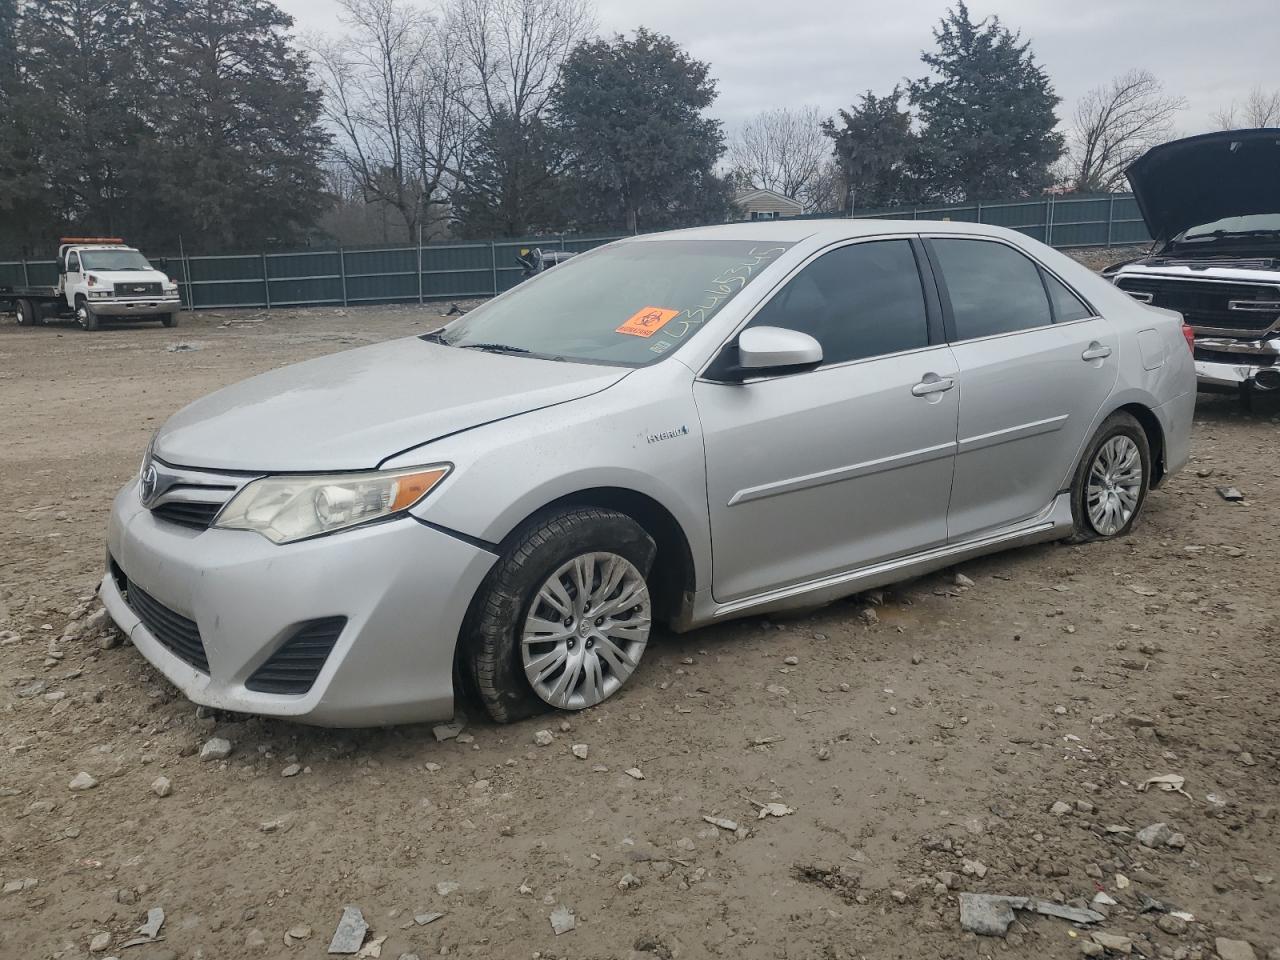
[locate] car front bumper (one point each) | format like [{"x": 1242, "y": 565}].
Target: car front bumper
[
  {"x": 403, "y": 587},
  {"x": 1223, "y": 363},
  {"x": 135, "y": 308}
]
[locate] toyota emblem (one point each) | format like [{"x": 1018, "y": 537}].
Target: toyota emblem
[{"x": 147, "y": 484}]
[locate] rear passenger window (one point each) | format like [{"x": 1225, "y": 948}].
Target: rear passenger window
[
  {"x": 1066, "y": 305},
  {"x": 862, "y": 300},
  {"x": 994, "y": 289}
]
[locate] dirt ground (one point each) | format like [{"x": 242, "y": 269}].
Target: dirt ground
[{"x": 922, "y": 737}]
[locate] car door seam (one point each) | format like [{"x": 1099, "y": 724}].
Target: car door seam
[{"x": 838, "y": 474}]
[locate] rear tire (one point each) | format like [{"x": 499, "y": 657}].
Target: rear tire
[
  {"x": 497, "y": 643},
  {"x": 169, "y": 319},
  {"x": 85, "y": 316},
  {"x": 27, "y": 313},
  {"x": 1111, "y": 481}
]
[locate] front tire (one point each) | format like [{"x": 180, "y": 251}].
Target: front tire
[
  {"x": 1111, "y": 480},
  {"x": 85, "y": 315},
  {"x": 563, "y": 618}
]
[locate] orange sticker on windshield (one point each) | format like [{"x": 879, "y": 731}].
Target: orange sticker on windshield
[{"x": 647, "y": 322}]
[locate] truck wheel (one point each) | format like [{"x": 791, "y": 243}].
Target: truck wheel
[
  {"x": 169, "y": 319},
  {"x": 85, "y": 316},
  {"x": 26, "y": 313}
]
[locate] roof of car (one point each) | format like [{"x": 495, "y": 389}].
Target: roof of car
[{"x": 793, "y": 231}]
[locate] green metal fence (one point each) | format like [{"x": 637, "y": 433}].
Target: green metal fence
[
  {"x": 456, "y": 271},
  {"x": 1107, "y": 220}
]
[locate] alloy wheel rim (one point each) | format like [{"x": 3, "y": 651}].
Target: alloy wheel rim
[
  {"x": 586, "y": 630},
  {"x": 1115, "y": 483}
]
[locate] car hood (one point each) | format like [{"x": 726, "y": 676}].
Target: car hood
[
  {"x": 352, "y": 410},
  {"x": 1201, "y": 179},
  {"x": 112, "y": 277}
]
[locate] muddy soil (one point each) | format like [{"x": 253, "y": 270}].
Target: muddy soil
[{"x": 922, "y": 737}]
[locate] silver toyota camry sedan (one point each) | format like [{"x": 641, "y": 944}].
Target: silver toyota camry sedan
[{"x": 670, "y": 430}]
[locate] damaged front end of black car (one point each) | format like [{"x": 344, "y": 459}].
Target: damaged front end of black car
[{"x": 1212, "y": 205}]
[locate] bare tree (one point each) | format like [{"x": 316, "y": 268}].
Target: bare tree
[
  {"x": 783, "y": 150},
  {"x": 1115, "y": 124},
  {"x": 1261, "y": 108},
  {"x": 514, "y": 50},
  {"x": 394, "y": 91}
]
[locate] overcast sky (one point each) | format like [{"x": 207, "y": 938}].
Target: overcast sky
[{"x": 766, "y": 53}]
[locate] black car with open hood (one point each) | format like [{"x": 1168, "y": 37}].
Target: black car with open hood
[
  {"x": 1212, "y": 206},
  {"x": 1186, "y": 185}
]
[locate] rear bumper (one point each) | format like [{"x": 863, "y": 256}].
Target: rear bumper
[
  {"x": 135, "y": 308},
  {"x": 1223, "y": 363},
  {"x": 403, "y": 587}
]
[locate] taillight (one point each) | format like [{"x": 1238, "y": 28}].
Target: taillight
[{"x": 1190, "y": 336}]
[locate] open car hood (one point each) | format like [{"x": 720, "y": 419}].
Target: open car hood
[{"x": 1198, "y": 180}]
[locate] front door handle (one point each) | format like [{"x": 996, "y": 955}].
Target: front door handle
[
  {"x": 932, "y": 383},
  {"x": 1096, "y": 351}
]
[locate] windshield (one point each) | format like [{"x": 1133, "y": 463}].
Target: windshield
[
  {"x": 1251, "y": 225},
  {"x": 114, "y": 260},
  {"x": 628, "y": 303}
]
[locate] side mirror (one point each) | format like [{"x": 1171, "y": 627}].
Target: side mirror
[{"x": 765, "y": 350}]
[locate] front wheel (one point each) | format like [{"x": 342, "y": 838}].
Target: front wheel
[
  {"x": 564, "y": 617},
  {"x": 85, "y": 315},
  {"x": 1112, "y": 480}
]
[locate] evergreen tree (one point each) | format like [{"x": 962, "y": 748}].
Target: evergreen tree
[
  {"x": 873, "y": 146},
  {"x": 987, "y": 114},
  {"x": 641, "y": 154},
  {"x": 510, "y": 187},
  {"x": 74, "y": 57},
  {"x": 237, "y": 133}
]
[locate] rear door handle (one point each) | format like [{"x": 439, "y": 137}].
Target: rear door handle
[
  {"x": 1096, "y": 351},
  {"x": 932, "y": 383}
]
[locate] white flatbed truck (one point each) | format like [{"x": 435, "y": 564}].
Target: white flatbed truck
[{"x": 99, "y": 279}]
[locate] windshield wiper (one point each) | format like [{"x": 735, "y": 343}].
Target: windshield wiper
[{"x": 494, "y": 348}]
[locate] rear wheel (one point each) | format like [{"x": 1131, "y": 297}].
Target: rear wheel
[
  {"x": 27, "y": 313},
  {"x": 1112, "y": 480},
  {"x": 564, "y": 617},
  {"x": 85, "y": 315}
]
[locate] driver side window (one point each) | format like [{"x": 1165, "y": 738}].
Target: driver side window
[
  {"x": 73, "y": 263},
  {"x": 858, "y": 301}
]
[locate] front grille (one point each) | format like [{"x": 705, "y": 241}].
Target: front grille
[
  {"x": 1205, "y": 304},
  {"x": 139, "y": 289},
  {"x": 294, "y": 667},
  {"x": 175, "y": 633},
  {"x": 188, "y": 513}
]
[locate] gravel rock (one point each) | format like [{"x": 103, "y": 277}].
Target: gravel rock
[
  {"x": 83, "y": 781},
  {"x": 161, "y": 786},
  {"x": 562, "y": 920},
  {"x": 1174, "y": 926},
  {"x": 100, "y": 942},
  {"x": 349, "y": 935},
  {"x": 1112, "y": 942},
  {"x": 292, "y": 770},
  {"x": 255, "y": 939},
  {"x": 1234, "y": 949},
  {"x": 1155, "y": 835},
  {"x": 960, "y": 580},
  {"x": 215, "y": 749},
  {"x": 1060, "y": 808},
  {"x": 544, "y": 738},
  {"x": 580, "y": 751}
]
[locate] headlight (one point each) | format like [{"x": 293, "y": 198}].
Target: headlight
[
  {"x": 170, "y": 288},
  {"x": 99, "y": 294},
  {"x": 289, "y": 508}
]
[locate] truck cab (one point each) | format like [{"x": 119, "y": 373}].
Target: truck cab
[{"x": 100, "y": 278}]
